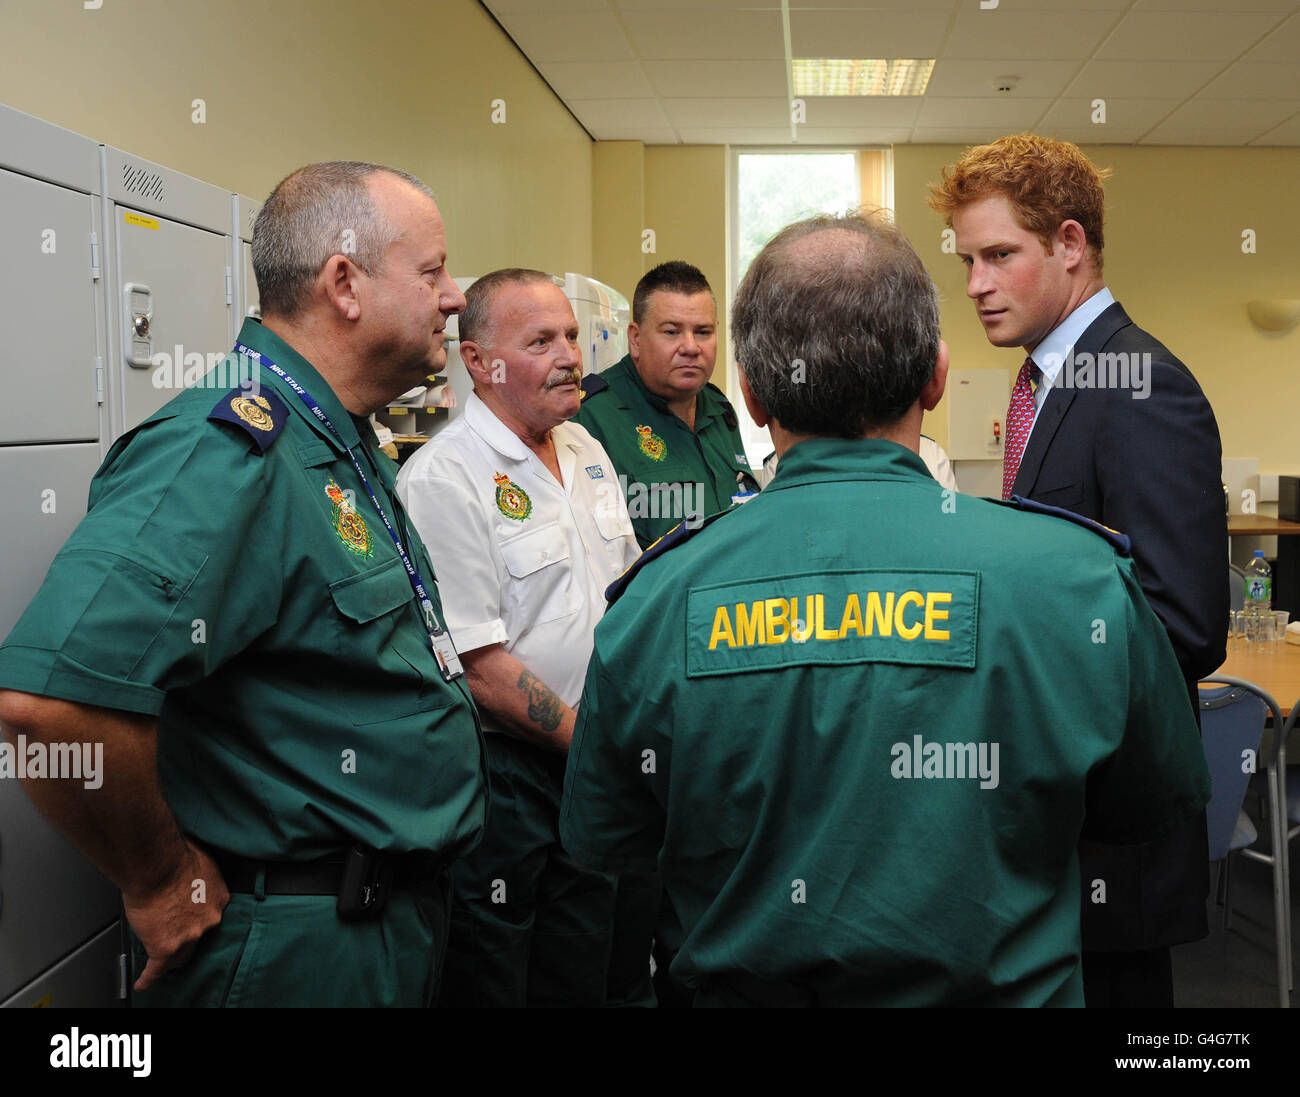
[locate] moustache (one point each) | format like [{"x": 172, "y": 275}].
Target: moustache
[{"x": 568, "y": 377}]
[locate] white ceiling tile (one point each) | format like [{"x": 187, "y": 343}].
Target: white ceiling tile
[
  {"x": 1049, "y": 36},
  {"x": 727, "y": 112},
  {"x": 874, "y": 5},
  {"x": 1215, "y": 5},
  {"x": 508, "y": 7},
  {"x": 1256, "y": 80},
  {"x": 694, "y": 5},
  {"x": 1036, "y": 78},
  {"x": 597, "y": 79},
  {"x": 736, "y": 135},
  {"x": 1282, "y": 44},
  {"x": 867, "y": 33},
  {"x": 1288, "y": 133},
  {"x": 1148, "y": 80},
  {"x": 1185, "y": 35},
  {"x": 590, "y": 36},
  {"x": 601, "y": 114},
  {"x": 706, "y": 35},
  {"x": 1225, "y": 114},
  {"x": 863, "y": 111},
  {"x": 1011, "y": 115},
  {"x": 728, "y": 78},
  {"x": 1125, "y": 114}
]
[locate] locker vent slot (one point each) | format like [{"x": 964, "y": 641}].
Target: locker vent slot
[{"x": 138, "y": 181}]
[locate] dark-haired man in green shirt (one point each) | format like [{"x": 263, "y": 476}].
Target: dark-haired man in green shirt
[{"x": 672, "y": 436}]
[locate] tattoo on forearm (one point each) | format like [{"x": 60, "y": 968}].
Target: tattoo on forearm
[{"x": 543, "y": 706}]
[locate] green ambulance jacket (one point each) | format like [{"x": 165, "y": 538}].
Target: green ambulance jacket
[
  {"x": 225, "y": 581},
  {"x": 667, "y": 470},
  {"x": 860, "y": 723}
]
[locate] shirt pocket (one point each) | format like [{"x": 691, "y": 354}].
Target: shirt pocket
[
  {"x": 386, "y": 668},
  {"x": 542, "y": 587},
  {"x": 612, "y": 522}
]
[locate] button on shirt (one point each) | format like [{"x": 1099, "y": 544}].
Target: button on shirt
[{"x": 525, "y": 560}]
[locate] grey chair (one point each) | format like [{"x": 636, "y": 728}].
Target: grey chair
[{"x": 1232, "y": 727}]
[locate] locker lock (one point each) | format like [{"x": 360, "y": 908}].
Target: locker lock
[{"x": 138, "y": 325}]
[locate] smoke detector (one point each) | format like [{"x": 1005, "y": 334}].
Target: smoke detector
[{"x": 1005, "y": 84}]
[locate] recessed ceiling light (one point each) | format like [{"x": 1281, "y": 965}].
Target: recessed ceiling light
[{"x": 841, "y": 76}]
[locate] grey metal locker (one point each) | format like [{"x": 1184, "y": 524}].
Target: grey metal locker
[
  {"x": 52, "y": 424},
  {"x": 51, "y": 353},
  {"x": 172, "y": 290},
  {"x": 245, "y": 214},
  {"x": 87, "y": 977}
]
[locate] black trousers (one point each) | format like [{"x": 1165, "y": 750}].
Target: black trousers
[{"x": 1128, "y": 980}]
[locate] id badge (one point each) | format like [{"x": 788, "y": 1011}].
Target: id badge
[{"x": 445, "y": 652}]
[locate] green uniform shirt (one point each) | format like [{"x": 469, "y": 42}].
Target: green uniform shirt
[
  {"x": 265, "y": 617},
  {"x": 796, "y": 712},
  {"x": 666, "y": 469}
]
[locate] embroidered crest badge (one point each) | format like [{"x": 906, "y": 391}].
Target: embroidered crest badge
[
  {"x": 348, "y": 524},
  {"x": 651, "y": 444},
  {"x": 512, "y": 500},
  {"x": 255, "y": 411}
]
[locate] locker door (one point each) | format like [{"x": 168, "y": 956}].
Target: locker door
[
  {"x": 252, "y": 305},
  {"x": 47, "y": 313},
  {"x": 173, "y": 319},
  {"x": 51, "y": 898}
]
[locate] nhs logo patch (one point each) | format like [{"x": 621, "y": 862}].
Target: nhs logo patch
[{"x": 595, "y": 472}]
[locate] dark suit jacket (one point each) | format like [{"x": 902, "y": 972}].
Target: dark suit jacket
[{"x": 1149, "y": 468}]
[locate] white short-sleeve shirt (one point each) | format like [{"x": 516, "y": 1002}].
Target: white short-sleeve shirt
[{"x": 522, "y": 560}]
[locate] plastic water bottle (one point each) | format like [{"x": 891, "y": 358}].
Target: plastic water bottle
[{"x": 1259, "y": 595}]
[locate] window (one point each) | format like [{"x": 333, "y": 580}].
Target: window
[{"x": 774, "y": 188}]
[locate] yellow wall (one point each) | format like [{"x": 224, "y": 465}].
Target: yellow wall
[
  {"x": 406, "y": 82},
  {"x": 1174, "y": 260},
  {"x": 679, "y": 192}
]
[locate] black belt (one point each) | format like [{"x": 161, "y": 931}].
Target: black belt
[{"x": 320, "y": 877}]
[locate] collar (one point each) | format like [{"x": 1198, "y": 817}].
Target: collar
[
  {"x": 1050, "y": 355},
  {"x": 818, "y": 459},
  {"x": 706, "y": 407},
  {"x": 262, "y": 339},
  {"x": 479, "y": 419}
]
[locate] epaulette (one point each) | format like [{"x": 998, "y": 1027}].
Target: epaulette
[
  {"x": 728, "y": 412},
  {"x": 1122, "y": 543},
  {"x": 679, "y": 534},
  {"x": 592, "y": 384},
  {"x": 262, "y": 415}
]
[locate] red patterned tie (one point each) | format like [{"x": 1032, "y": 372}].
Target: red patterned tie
[{"x": 1020, "y": 417}]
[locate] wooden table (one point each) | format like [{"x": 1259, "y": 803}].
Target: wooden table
[
  {"x": 1261, "y": 525},
  {"x": 1273, "y": 667}
]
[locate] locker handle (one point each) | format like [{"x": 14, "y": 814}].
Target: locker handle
[{"x": 137, "y": 339}]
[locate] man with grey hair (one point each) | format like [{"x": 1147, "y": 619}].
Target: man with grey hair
[
  {"x": 530, "y": 517},
  {"x": 249, "y": 624},
  {"x": 860, "y": 659}
]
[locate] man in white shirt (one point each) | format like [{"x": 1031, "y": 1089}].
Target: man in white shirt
[{"x": 526, "y": 521}]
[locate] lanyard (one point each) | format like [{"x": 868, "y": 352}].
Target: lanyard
[{"x": 439, "y": 640}]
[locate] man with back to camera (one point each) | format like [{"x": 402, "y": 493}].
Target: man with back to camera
[
  {"x": 866, "y": 675},
  {"x": 1104, "y": 421},
  {"x": 531, "y": 522},
  {"x": 672, "y": 435},
  {"x": 675, "y": 442},
  {"x": 291, "y": 753}
]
